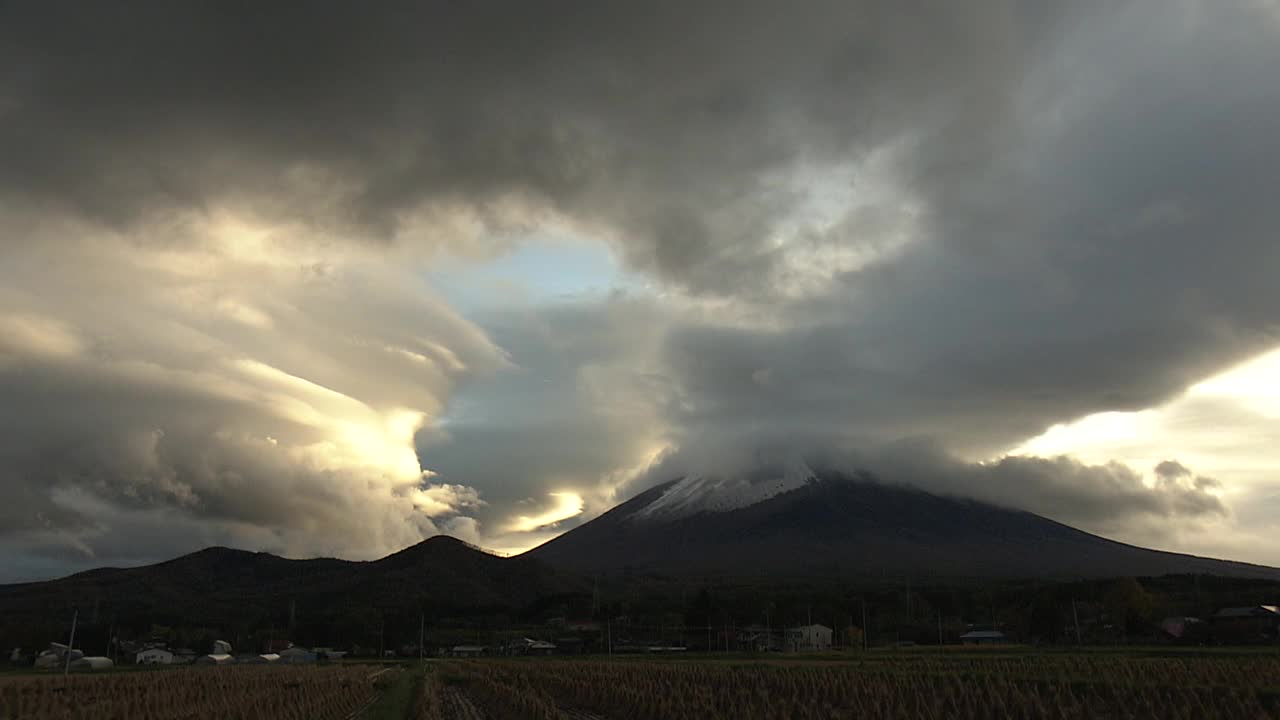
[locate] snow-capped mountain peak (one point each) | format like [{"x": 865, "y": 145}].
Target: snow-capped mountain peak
[{"x": 722, "y": 492}]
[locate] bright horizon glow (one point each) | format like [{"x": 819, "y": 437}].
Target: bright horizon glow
[{"x": 1212, "y": 427}]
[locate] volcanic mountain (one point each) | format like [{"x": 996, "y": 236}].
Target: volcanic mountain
[{"x": 792, "y": 522}]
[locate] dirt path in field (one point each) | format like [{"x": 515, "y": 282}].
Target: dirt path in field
[{"x": 457, "y": 706}]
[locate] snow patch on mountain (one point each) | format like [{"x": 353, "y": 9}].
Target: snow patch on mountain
[{"x": 715, "y": 492}]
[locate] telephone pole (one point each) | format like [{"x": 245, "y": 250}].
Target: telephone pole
[
  {"x": 865, "y": 630},
  {"x": 66, "y": 668}
]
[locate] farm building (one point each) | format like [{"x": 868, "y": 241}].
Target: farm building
[
  {"x": 221, "y": 647},
  {"x": 1183, "y": 629},
  {"x": 297, "y": 655},
  {"x": 984, "y": 637},
  {"x": 529, "y": 646},
  {"x": 215, "y": 659},
  {"x": 56, "y": 657},
  {"x": 154, "y": 656},
  {"x": 1256, "y": 623},
  {"x": 263, "y": 659},
  {"x": 466, "y": 651},
  {"x": 184, "y": 656},
  {"x": 92, "y": 664},
  {"x": 757, "y": 638},
  {"x": 808, "y": 638}
]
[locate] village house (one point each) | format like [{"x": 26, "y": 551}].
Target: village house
[
  {"x": 529, "y": 646},
  {"x": 808, "y": 638},
  {"x": 154, "y": 656},
  {"x": 296, "y": 655},
  {"x": 1252, "y": 624},
  {"x": 757, "y": 638},
  {"x": 984, "y": 637},
  {"x": 1182, "y": 629},
  {"x": 56, "y": 656}
]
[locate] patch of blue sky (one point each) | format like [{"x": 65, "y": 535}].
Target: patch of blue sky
[{"x": 539, "y": 270}]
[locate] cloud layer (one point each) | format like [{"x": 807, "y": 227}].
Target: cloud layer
[{"x": 864, "y": 223}]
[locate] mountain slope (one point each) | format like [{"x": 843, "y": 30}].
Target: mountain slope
[
  {"x": 330, "y": 600},
  {"x": 836, "y": 524}
]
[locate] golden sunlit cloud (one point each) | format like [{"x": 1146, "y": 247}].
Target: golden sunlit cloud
[
  {"x": 1204, "y": 427},
  {"x": 568, "y": 505}
]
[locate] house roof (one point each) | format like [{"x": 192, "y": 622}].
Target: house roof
[
  {"x": 1251, "y": 611},
  {"x": 982, "y": 635}
]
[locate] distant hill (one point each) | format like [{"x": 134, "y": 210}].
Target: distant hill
[
  {"x": 793, "y": 522},
  {"x": 330, "y": 601}
]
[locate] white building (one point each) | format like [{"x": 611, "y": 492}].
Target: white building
[
  {"x": 215, "y": 659},
  {"x": 808, "y": 638},
  {"x": 221, "y": 647},
  {"x": 92, "y": 664},
  {"x": 56, "y": 657},
  {"x": 984, "y": 637},
  {"x": 154, "y": 656}
]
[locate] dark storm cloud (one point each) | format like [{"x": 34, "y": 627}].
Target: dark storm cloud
[
  {"x": 1115, "y": 246},
  {"x": 867, "y": 221},
  {"x": 666, "y": 126}
]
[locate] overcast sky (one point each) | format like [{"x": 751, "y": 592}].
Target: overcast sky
[{"x": 326, "y": 279}]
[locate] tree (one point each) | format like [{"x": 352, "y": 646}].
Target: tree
[{"x": 1128, "y": 605}]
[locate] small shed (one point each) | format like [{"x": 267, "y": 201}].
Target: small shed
[
  {"x": 215, "y": 659},
  {"x": 984, "y": 637},
  {"x": 92, "y": 663},
  {"x": 154, "y": 656}
]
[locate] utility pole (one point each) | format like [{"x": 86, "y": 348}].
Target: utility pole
[
  {"x": 768, "y": 630},
  {"x": 608, "y": 626},
  {"x": 939, "y": 628},
  {"x": 866, "y": 632},
  {"x": 66, "y": 668},
  {"x": 1076, "y": 616},
  {"x": 910, "y": 604},
  {"x": 422, "y": 634}
]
